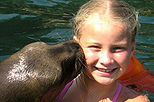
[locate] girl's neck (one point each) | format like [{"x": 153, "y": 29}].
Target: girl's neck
[{"x": 91, "y": 88}]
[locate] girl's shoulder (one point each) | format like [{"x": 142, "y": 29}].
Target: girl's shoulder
[{"x": 130, "y": 95}]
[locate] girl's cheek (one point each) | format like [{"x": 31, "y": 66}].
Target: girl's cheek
[
  {"x": 91, "y": 56},
  {"x": 89, "y": 53},
  {"x": 122, "y": 58}
]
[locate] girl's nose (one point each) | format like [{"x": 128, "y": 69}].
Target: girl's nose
[{"x": 105, "y": 58}]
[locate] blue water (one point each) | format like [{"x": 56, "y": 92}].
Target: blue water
[{"x": 26, "y": 21}]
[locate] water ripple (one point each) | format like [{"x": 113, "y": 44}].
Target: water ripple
[
  {"x": 145, "y": 19},
  {"x": 10, "y": 16},
  {"x": 42, "y": 3}
]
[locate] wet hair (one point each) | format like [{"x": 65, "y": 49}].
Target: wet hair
[{"x": 118, "y": 11}]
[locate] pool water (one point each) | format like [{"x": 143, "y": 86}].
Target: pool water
[{"x": 26, "y": 21}]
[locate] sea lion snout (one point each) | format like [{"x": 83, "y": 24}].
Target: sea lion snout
[{"x": 39, "y": 71}]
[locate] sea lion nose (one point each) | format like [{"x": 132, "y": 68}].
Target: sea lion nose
[{"x": 75, "y": 45}]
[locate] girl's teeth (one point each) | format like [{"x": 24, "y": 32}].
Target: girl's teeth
[{"x": 107, "y": 71}]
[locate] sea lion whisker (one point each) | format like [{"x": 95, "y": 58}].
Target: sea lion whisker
[{"x": 83, "y": 63}]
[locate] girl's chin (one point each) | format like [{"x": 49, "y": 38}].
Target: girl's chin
[{"x": 104, "y": 81}]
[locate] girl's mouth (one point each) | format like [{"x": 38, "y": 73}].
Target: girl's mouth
[{"x": 105, "y": 70}]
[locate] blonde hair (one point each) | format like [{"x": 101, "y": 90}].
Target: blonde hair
[{"x": 119, "y": 10}]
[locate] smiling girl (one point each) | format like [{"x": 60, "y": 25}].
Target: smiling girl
[{"x": 106, "y": 31}]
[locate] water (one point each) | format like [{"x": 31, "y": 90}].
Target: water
[{"x": 26, "y": 21}]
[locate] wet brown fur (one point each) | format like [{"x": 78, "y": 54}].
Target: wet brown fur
[{"x": 51, "y": 67}]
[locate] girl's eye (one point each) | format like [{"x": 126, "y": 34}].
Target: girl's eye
[
  {"x": 94, "y": 47},
  {"x": 118, "y": 49}
]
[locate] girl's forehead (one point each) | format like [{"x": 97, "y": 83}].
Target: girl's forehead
[
  {"x": 99, "y": 22},
  {"x": 96, "y": 18},
  {"x": 97, "y": 25},
  {"x": 104, "y": 24},
  {"x": 99, "y": 18}
]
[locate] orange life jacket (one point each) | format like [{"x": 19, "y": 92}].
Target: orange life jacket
[{"x": 137, "y": 75}]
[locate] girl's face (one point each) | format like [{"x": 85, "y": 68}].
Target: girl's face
[{"x": 107, "y": 49}]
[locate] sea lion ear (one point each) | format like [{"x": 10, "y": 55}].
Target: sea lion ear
[{"x": 75, "y": 38}]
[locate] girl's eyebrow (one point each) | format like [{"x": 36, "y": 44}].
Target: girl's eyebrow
[
  {"x": 94, "y": 43},
  {"x": 120, "y": 44},
  {"x": 117, "y": 43}
]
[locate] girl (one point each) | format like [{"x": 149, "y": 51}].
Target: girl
[{"x": 106, "y": 31}]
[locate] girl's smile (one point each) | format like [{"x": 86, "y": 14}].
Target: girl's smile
[{"x": 104, "y": 71}]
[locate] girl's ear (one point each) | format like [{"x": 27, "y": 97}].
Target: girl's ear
[
  {"x": 133, "y": 47},
  {"x": 76, "y": 38}
]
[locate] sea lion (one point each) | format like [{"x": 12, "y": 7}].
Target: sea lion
[{"x": 39, "y": 71}]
